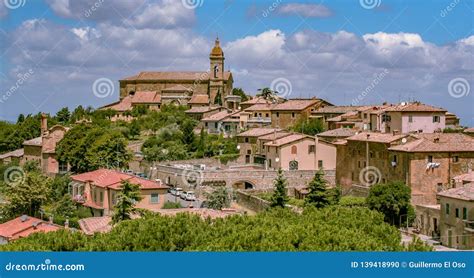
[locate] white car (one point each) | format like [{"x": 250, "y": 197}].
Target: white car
[
  {"x": 177, "y": 191},
  {"x": 190, "y": 196},
  {"x": 182, "y": 195}
]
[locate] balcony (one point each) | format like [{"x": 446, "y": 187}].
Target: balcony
[
  {"x": 469, "y": 226},
  {"x": 260, "y": 120}
]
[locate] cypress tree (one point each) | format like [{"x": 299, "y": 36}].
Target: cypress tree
[
  {"x": 279, "y": 197},
  {"x": 318, "y": 195}
]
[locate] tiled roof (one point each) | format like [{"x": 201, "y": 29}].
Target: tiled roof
[
  {"x": 376, "y": 137},
  {"x": 260, "y": 107},
  {"x": 414, "y": 107},
  {"x": 216, "y": 117},
  {"x": 295, "y": 104},
  {"x": 338, "y": 132},
  {"x": 94, "y": 225},
  {"x": 438, "y": 142},
  {"x": 469, "y": 130},
  {"x": 201, "y": 109},
  {"x": 169, "y": 75},
  {"x": 124, "y": 105},
  {"x": 24, "y": 225},
  {"x": 199, "y": 99},
  {"x": 465, "y": 192},
  {"x": 146, "y": 97},
  {"x": 274, "y": 135},
  {"x": 38, "y": 141},
  {"x": 256, "y": 132},
  {"x": 468, "y": 177},
  {"x": 287, "y": 139},
  {"x": 256, "y": 100},
  {"x": 338, "y": 109},
  {"x": 350, "y": 114},
  {"x": 106, "y": 178},
  {"x": 178, "y": 88},
  {"x": 15, "y": 153}
]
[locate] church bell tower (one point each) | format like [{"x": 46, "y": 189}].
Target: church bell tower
[{"x": 216, "y": 78}]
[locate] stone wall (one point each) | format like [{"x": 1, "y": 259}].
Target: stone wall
[{"x": 249, "y": 201}]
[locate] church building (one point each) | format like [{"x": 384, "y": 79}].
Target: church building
[{"x": 189, "y": 88}]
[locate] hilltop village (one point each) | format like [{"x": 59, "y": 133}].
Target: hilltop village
[{"x": 192, "y": 142}]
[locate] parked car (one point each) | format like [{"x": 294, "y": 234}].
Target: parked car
[
  {"x": 141, "y": 175},
  {"x": 182, "y": 195},
  {"x": 172, "y": 191},
  {"x": 130, "y": 172},
  {"x": 190, "y": 196},
  {"x": 176, "y": 191}
]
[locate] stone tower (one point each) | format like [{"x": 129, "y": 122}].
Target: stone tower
[{"x": 216, "y": 80}]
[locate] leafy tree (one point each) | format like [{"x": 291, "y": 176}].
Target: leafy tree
[
  {"x": 268, "y": 94},
  {"x": 392, "y": 199},
  {"x": 219, "y": 198},
  {"x": 241, "y": 93},
  {"x": 172, "y": 205},
  {"x": 63, "y": 115},
  {"x": 187, "y": 128},
  {"x": 318, "y": 195},
  {"x": 21, "y": 118},
  {"x": 126, "y": 200},
  {"x": 134, "y": 129},
  {"x": 279, "y": 197},
  {"x": 308, "y": 126}
]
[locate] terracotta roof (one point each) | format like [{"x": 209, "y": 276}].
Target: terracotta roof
[
  {"x": 414, "y": 107},
  {"x": 256, "y": 132},
  {"x": 287, "y": 140},
  {"x": 146, "y": 97},
  {"x": 106, "y": 178},
  {"x": 94, "y": 225},
  {"x": 38, "y": 141},
  {"x": 169, "y": 75},
  {"x": 338, "y": 132},
  {"x": 260, "y": 107},
  {"x": 465, "y": 192},
  {"x": 256, "y": 100},
  {"x": 469, "y": 130},
  {"x": 15, "y": 153},
  {"x": 219, "y": 116},
  {"x": 199, "y": 99},
  {"x": 376, "y": 137},
  {"x": 24, "y": 226},
  {"x": 468, "y": 177},
  {"x": 201, "y": 109},
  {"x": 438, "y": 142},
  {"x": 124, "y": 105},
  {"x": 347, "y": 115},
  {"x": 295, "y": 104},
  {"x": 274, "y": 135}
]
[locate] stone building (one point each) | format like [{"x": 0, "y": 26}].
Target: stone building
[
  {"x": 286, "y": 114},
  {"x": 193, "y": 88},
  {"x": 12, "y": 157}
]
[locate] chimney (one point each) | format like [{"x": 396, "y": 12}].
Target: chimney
[{"x": 44, "y": 123}]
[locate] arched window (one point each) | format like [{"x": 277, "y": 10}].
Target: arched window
[{"x": 294, "y": 150}]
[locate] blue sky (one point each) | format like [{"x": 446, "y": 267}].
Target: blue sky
[{"x": 336, "y": 50}]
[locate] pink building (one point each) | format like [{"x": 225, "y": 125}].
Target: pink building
[{"x": 99, "y": 190}]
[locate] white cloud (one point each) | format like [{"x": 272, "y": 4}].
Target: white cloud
[{"x": 305, "y": 10}]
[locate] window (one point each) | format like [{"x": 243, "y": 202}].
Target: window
[
  {"x": 278, "y": 114},
  {"x": 270, "y": 163},
  {"x": 246, "y": 139},
  {"x": 365, "y": 116},
  {"x": 455, "y": 159},
  {"x": 255, "y": 115},
  {"x": 266, "y": 115},
  {"x": 206, "y": 124},
  {"x": 386, "y": 118},
  {"x": 395, "y": 159},
  {"x": 216, "y": 126},
  {"x": 436, "y": 119},
  {"x": 447, "y": 208},
  {"x": 311, "y": 149},
  {"x": 410, "y": 119},
  {"x": 293, "y": 114},
  {"x": 320, "y": 164},
  {"x": 114, "y": 198},
  {"x": 294, "y": 150},
  {"x": 101, "y": 197},
  {"x": 430, "y": 158},
  {"x": 456, "y": 211},
  {"x": 464, "y": 213},
  {"x": 154, "y": 198}
]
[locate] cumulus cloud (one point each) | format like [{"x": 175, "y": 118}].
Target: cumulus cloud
[{"x": 305, "y": 10}]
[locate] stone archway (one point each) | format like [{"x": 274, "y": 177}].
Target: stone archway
[{"x": 244, "y": 184}]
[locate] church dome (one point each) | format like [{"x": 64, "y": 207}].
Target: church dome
[{"x": 217, "y": 50}]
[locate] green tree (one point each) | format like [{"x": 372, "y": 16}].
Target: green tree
[
  {"x": 268, "y": 94},
  {"x": 126, "y": 200},
  {"x": 392, "y": 199},
  {"x": 219, "y": 198},
  {"x": 134, "y": 129},
  {"x": 21, "y": 118},
  {"x": 308, "y": 126},
  {"x": 318, "y": 195},
  {"x": 187, "y": 129},
  {"x": 218, "y": 99},
  {"x": 279, "y": 197},
  {"x": 63, "y": 115},
  {"x": 241, "y": 93}
]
